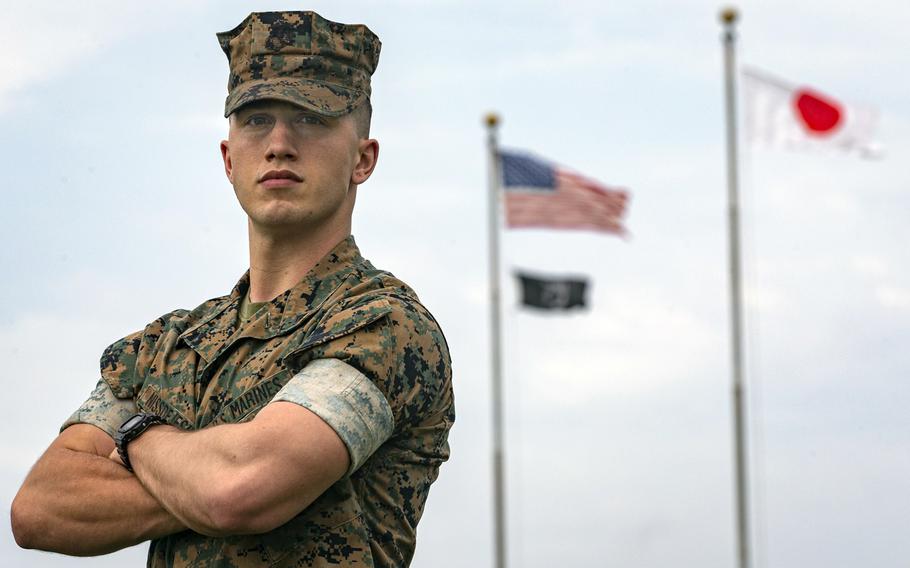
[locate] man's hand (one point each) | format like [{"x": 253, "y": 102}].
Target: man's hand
[
  {"x": 115, "y": 457},
  {"x": 76, "y": 501}
]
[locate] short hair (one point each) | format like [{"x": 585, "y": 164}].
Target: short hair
[{"x": 362, "y": 116}]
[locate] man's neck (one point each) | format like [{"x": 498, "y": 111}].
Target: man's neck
[{"x": 279, "y": 262}]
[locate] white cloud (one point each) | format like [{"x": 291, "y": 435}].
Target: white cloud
[
  {"x": 53, "y": 359},
  {"x": 45, "y": 39},
  {"x": 765, "y": 298},
  {"x": 893, "y": 297},
  {"x": 875, "y": 266},
  {"x": 637, "y": 343}
]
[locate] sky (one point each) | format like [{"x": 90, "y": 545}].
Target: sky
[{"x": 618, "y": 419}]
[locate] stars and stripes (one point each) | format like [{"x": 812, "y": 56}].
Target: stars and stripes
[{"x": 541, "y": 194}]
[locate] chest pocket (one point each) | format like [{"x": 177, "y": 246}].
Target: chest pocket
[
  {"x": 245, "y": 405},
  {"x": 161, "y": 402}
]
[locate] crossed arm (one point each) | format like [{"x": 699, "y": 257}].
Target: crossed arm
[{"x": 230, "y": 479}]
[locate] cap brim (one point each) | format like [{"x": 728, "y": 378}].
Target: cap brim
[{"x": 325, "y": 99}]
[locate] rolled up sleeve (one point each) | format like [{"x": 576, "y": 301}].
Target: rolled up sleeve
[
  {"x": 103, "y": 409},
  {"x": 345, "y": 399}
]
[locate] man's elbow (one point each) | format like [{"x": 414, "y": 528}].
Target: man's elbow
[
  {"x": 236, "y": 507},
  {"x": 24, "y": 523},
  {"x": 224, "y": 514},
  {"x": 34, "y": 528}
]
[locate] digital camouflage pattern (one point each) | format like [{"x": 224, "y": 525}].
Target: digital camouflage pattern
[
  {"x": 300, "y": 58},
  {"x": 104, "y": 410},
  {"x": 198, "y": 369},
  {"x": 348, "y": 401}
]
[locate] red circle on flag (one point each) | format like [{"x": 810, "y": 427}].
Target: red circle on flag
[{"x": 818, "y": 114}]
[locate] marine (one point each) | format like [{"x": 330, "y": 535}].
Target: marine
[{"x": 301, "y": 418}]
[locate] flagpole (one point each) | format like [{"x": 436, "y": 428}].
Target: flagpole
[
  {"x": 729, "y": 17},
  {"x": 499, "y": 498}
]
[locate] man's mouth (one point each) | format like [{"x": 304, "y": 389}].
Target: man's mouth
[{"x": 274, "y": 178}]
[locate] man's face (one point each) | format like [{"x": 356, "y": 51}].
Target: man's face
[{"x": 293, "y": 170}]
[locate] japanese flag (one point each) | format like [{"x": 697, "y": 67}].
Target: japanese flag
[{"x": 779, "y": 114}]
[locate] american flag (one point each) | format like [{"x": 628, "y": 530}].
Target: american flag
[{"x": 541, "y": 194}]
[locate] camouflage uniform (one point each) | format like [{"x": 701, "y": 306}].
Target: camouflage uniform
[
  {"x": 199, "y": 369},
  {"x": 349, "y": 342}
]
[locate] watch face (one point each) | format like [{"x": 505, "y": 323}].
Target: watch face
[{"x": 131, "y": 423}]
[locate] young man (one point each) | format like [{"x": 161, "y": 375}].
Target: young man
[{"x": 299, "y": 420}]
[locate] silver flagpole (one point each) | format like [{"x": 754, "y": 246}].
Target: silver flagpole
[
  {"x": 729, "y": 17},
  {"x": 499, "y": 490}
]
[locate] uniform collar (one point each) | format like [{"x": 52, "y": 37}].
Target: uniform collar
[
  {"x": 218, "y": 329},
  {"x": 287, "y": 310}
]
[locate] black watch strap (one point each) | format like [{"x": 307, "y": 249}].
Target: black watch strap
[{"x": 132, "y": 428}]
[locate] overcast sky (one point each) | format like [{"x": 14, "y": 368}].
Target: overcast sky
[{"x": 116, "y": 210}]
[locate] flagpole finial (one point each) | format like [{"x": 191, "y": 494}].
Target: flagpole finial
[
  {"x": 729, "y": 15},
  {"x": 491, "y": 119}
]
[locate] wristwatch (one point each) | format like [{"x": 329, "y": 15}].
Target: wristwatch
[{"x": 131, "y": 429}]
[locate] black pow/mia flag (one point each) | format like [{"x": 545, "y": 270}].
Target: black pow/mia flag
[{"x": 552, "y": 293}]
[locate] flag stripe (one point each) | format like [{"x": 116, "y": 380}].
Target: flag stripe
[
  {"x": 539, "y": 194},
  {"x": 576, "y": 203}
]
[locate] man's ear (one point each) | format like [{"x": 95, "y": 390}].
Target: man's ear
[
  {"x": 368, "y": 155},
  {"x": 226, "y": 157}
]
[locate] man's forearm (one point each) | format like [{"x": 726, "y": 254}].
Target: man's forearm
[
  {"x": 188, "y": 471},
  {"x": 82, "y": 504},
  {"x": 243, "y": 478}
]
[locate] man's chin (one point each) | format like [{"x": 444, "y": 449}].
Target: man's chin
[{"x": 283, "y": 222}]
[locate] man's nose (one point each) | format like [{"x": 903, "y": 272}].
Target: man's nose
[{"x": 281, "y": 142}]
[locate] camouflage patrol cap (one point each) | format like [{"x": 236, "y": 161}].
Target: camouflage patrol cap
[{"x": 300, "y": 58}]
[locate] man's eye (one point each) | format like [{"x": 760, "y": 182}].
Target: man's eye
[
  {"x": 257, "y": 120},
  {"x": 310, "y": 119}
]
